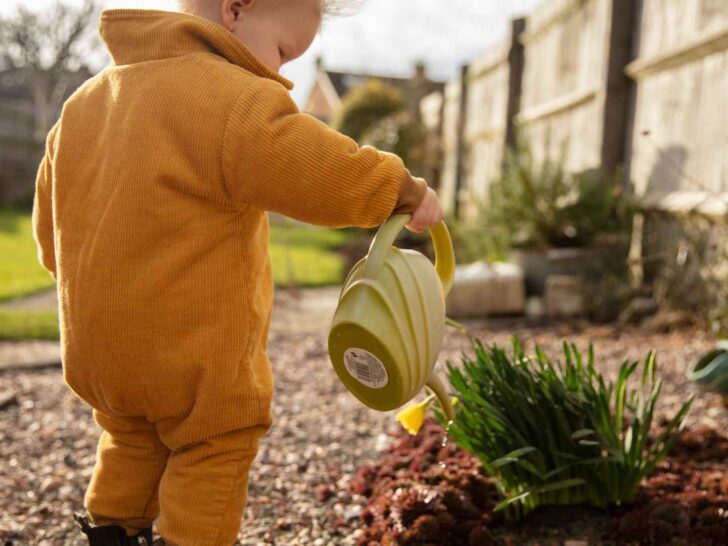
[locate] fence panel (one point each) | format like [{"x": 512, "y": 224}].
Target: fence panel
[
  {"x": 605, "y": 82},
  {"x": 679, "y": 153},
  {"x": 564, "y": 93},
  {"x": 485, "y": 126},
  {"x": 450, "y": 144}
]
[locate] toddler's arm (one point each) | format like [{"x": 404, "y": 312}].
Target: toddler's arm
[
  {"x": 280, "y": 160},
  {"x": 43, "y": 208}
]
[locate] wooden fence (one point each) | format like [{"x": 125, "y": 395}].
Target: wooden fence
[
  {"x": 478, "y": 116},
  {"x": 452, "y": 149},
  {"x": 599, "y": 83},
  {"x": 679, "y": 147},
  {"x": 564, "y": 82}
]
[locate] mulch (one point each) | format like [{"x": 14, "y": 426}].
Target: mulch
[{"x": 423, "y": 493}]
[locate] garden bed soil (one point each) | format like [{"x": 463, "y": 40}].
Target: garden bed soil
[{"x": 423, "y": 493}]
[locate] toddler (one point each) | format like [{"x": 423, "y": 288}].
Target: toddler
[{"x": 151, "y": 212}]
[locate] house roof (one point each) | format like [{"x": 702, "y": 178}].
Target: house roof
[
  {"x": 330, "y": 87},
  {"x": 344, "y": 82}
]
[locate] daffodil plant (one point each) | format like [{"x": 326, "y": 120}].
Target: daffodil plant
[{"x": 554, "y": 432}]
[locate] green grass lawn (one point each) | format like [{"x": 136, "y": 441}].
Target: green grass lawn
[
  {"x": 300, "y": 256},
  {"x": 20, "y": 324},
  {"x": 20, "y": 272},
  {"x": 305, "y": 256}
]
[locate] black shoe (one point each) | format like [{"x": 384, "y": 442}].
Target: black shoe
[{"x": 112, "y": 535}]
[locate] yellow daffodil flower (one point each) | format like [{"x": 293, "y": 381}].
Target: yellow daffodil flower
[{"x": 412, "y": 417}]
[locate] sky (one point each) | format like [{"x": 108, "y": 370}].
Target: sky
[{"x": 385, "y": 37}]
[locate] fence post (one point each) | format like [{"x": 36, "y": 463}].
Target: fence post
[
  {"x": 440, "y": 138},
  {"x": 618, "y": 85},
  {"x": 461, "y": 148},
  {"x": 618, "y": 153},
  {"x": 516, "y": 62}
]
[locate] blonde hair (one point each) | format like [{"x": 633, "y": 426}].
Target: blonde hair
[
  {"x": 328, "y": 7},
  {"x": 339, "y": 7}
]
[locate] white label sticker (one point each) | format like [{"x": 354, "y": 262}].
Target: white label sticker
[{"x": 366, "y": 368}]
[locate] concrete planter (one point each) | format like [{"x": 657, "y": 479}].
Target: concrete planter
[
  {"x": 539, "y": 265},
  {"x": 482, "y": 290},
  {"x": 564, "y": 296}
]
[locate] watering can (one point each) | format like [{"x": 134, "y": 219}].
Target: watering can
[{"x": 389, "y": 324}]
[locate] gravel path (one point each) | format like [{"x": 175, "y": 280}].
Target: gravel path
[
  {"x": 29, "y": 354},
  {"x": 321, "y": 435},
  {"x": 46, "y": 300}
]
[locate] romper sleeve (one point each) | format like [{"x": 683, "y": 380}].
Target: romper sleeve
[{"x": 281, "y": 160}]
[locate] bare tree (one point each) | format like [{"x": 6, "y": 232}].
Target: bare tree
[{"x": 48, "y": 52}]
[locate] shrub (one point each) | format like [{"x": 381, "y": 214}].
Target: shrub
[
  {"x": 364, "y": 106},
  {"x": 558, "y": 433},
  {"x": 686, "y": 264},
  {"x": 474, "y": 240},
  {"x": 400, "y": 134},
  {"x": 540, "y": 205}
]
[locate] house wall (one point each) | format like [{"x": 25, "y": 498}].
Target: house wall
[
  {"x": 317, "y": 104},
  {"x": 20, "y": 152}
]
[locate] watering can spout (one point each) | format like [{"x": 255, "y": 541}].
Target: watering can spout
[{"x": 435, "y": 384}]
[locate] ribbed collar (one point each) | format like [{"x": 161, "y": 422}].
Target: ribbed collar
[{"x": 138, "y": 35}]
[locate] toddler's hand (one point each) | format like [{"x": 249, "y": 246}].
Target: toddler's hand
[{"x": 428, "y": 213}]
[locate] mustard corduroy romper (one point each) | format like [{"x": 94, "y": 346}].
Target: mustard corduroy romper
[{"x": 151, "y": 212}]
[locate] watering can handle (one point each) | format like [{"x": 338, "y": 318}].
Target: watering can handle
[{"x": 441, "y": 241}]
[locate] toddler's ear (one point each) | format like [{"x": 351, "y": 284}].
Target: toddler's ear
[{"x": 233, "y": 10}]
